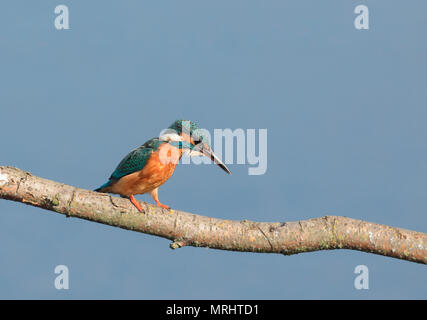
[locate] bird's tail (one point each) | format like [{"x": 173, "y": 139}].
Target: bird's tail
[{"x": 103, "y": 187}]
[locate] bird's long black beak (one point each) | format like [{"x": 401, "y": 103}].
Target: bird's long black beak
[{"x": 207, "y": 151}]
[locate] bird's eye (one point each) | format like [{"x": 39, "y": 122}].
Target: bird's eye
[{"x": 196, "y": 142}]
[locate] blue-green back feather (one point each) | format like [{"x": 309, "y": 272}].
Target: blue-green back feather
[{"x": 136, "y": 159}]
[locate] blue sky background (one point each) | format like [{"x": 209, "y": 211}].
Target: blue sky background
[{"x": 345, "y": 112}]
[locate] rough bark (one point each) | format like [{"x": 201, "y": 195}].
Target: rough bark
[{"x": 186, "y": 229}]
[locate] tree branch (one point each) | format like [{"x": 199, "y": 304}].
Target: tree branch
[{"x": 186, "y": 229}]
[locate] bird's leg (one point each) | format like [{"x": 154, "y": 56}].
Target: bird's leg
[
  {"x": 155, "y": 196},
  {"x": 135, "y": 203}
]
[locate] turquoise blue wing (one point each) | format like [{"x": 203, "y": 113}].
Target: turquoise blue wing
[
  {"x": 136, "y": 159},
  {"x": 133, "y": 162}
]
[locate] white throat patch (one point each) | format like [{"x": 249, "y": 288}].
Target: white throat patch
[{"x": 171, "y": 136}]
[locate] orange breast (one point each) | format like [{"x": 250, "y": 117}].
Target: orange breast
[{"x": 158, "y": 169}]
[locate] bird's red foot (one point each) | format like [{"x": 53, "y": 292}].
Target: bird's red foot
[
  {"x": 162, "y": 205},
  {"x": 136, "y": 203}
]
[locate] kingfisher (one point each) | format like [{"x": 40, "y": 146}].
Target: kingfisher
[{"x": 149, "y": 166}]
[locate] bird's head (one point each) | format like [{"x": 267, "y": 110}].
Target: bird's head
[{"x": 193, "y": 140}]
